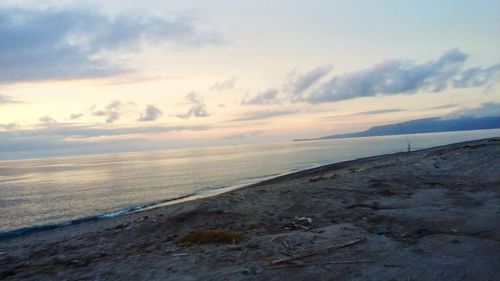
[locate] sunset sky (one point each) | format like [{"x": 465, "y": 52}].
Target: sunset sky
[{"x": 104, "y": 76}]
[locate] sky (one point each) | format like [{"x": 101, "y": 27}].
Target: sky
[{"x": 82, "y": 77}]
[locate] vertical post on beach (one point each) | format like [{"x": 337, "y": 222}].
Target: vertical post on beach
[{"x": 408, "y": 144}]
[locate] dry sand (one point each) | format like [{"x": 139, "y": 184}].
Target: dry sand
[{"x": 428, "y": 215}]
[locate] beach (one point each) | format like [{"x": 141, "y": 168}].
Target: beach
[{"x": 424, "y": 215}]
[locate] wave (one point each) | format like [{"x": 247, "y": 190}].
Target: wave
[
  {"x": 202, "y": 193},
  {"x": 107, "y": 215}
]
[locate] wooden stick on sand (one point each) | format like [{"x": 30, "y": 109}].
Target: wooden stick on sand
[{"x": 317, "y": 252}]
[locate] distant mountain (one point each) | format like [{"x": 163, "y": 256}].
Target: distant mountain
[{"x": 427, "y": 125}]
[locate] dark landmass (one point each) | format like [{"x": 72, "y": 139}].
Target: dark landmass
[
  {"x": 421, "y": 126},
  {"x": 426, "y": 215}
]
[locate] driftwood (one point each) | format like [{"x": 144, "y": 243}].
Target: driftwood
[
  {"x": 348, "y": 189},
  {"x": 181, "y": 254},
  {"x": 318, "y": 263},
  {"x": 285, "y": 244},
  {"x": 317, "y": 252}
]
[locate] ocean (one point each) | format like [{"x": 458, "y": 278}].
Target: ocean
[{"x": 45, "y": 193}]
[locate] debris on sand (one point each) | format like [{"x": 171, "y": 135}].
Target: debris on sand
[
  {"x": 387, "y": 192},
  {"x": 210, "y": 236},
  {"x": 299, "y": 223},
  {"x": 315, "y": 179},
  {"x": 319, "y": 264},
  {"x": 317, "y": 252},
  {"x": 357, "y": 170}
]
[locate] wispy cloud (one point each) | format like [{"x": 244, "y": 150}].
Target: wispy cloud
[
  {"x": 259, "y": 115},
  {"x": 267, "y": 97},
  {"x": 9, "y": 126},
  {"x": 242, "y": 135},
  {"x": 151, "y": 113},
  {"x": 298, "y": 83},
  {"x": 381, "y": 111},
  {"x": 197, "y": 106},
  {"x": 64, "y": 131},
  {"x": 73, "y": 137},
  {"x": 47, "y": 121},
  {"x": 443, "y": 106},
  {"x": 75, "y": 116},
  {"x": 47, "y": 44},
  {"x": 136, "y": 78},
  {"x": 370, "y": 112},
  {"x": 224, "y": 85},
  {"x": 8, "y": 100},
  {"x": 477, "y": 76},
  {"x": 484, "y": 110},
  {"x": 112, "y": 111}
]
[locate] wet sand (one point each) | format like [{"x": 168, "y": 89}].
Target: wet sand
[{"x": 427, "y": 215}]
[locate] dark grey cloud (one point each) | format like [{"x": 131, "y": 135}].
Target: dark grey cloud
[
  {"x": 392, "y": 77},
  {"x": 477, "y": 76},
  {"x": 381, "y": 111},
  {"x": 267, "y": 97},
  {"x": 112, "y": 111},
  {"x": 259, "y": 115},
  {"x": 197, "y": 106},
  {"x": 75, "y": 116},
  {"x": 151, "y": 113},
  {"x": 224, "y": 85},
  {"x": 299, "y": 83},
  {"x": 38, "y": 44},
  {"x": 486, "y": 109}
]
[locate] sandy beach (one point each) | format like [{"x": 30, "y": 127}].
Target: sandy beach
[{"x": 432, "y": 214}]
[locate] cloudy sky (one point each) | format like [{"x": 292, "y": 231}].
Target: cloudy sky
[{"x": 104, "y": 76}]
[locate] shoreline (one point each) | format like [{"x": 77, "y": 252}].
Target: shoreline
[
  {"x": 137, "y": 208},
  {"x": 185, "y": 198},
  {"x": 414, "y": 207}
]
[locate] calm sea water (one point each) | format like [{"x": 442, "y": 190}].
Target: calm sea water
[{"x": 56, "y": 190}]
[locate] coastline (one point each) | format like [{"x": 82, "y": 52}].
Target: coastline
[
  {"x": 139, "y": 208},
  {"x": 171, "y": 201},
  {"x": 263, "y": 211}
]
